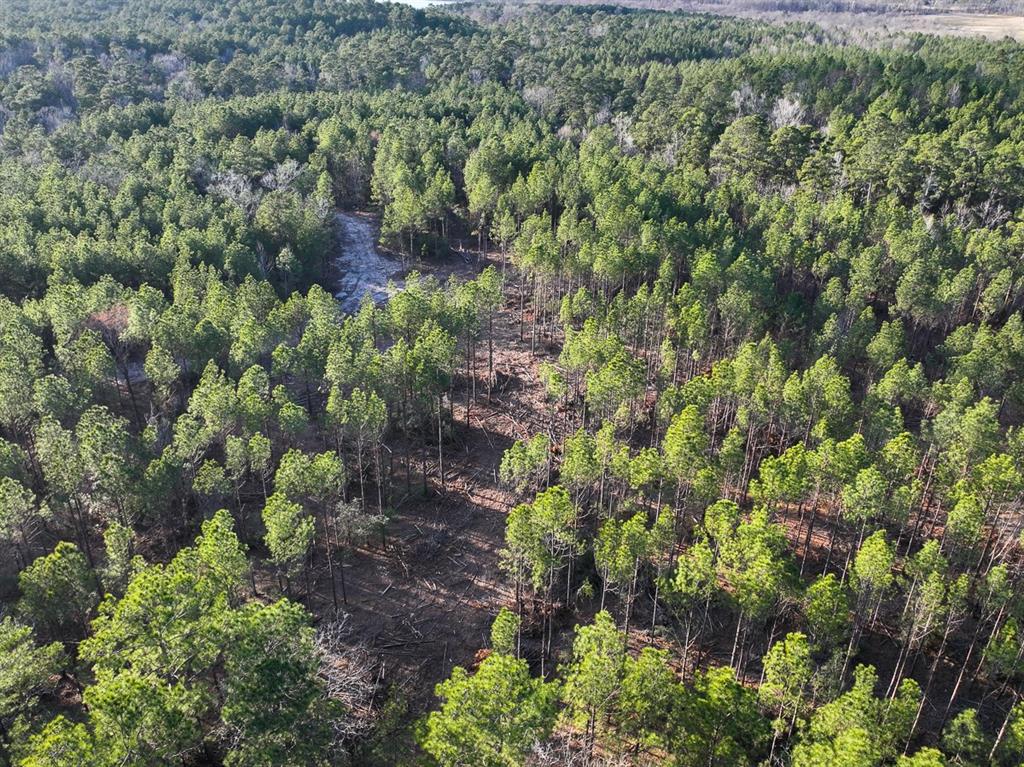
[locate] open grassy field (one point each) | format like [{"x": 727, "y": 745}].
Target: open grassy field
[
  {"x": 992, "y": 26},
  {"x": 991, "y": 20}
]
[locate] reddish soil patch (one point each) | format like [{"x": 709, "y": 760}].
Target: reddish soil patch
[{"x": 423, "y": 603}]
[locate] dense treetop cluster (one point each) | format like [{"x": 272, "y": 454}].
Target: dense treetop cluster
[{"x": 773, "y": 283}]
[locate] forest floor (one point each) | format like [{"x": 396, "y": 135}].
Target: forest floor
[{"x": 423, "y": 602}]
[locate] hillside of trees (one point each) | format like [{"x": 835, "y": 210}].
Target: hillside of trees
[{"x": 689, "y": 432}]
